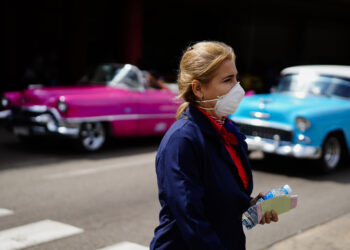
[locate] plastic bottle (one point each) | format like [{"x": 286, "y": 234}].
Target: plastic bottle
[
  {"x": 285, "y": 190},
  {"x": 278, "y": 191},
  {"x": 250, "y": 217}
]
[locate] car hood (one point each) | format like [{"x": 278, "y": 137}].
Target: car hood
[
  {"x": 283, "y": 108},
  {"x": 47, "y": 95}
]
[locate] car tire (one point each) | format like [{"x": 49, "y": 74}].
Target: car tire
[
  {"x": 92, "y": 136},
  {"x": 332, "y": 153}
]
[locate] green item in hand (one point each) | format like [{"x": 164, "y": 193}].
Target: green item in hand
[{"x": 280, "y": 204}]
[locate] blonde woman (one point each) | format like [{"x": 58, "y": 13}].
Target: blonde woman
[{"x": 203, "y": 172}]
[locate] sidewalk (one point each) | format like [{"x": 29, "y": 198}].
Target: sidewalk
[{"x": 333, "y": 235}]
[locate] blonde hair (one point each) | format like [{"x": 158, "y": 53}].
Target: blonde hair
[{"x": 200, "y": 62}]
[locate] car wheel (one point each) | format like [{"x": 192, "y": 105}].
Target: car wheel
[
  {"x": 332, "y": 154},
  {"x": 92, "y": 136}
]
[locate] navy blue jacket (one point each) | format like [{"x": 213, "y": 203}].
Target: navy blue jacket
[{"x": 200, "y": 192}]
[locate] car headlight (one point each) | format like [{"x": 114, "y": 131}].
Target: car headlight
[
  {"x": 5, "y": 102},
  {"x": 62, "y": 105},
  {"x": 302, "y": 123}
]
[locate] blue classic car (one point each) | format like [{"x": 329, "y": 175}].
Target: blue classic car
[{"x": 308, "y": 116}]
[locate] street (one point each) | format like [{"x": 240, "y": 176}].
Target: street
[{"x": 108, "y": 197}]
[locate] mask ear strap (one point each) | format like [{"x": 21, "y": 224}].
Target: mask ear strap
[
  {"x": 211, "y": 100},
  {"x": 207, "y": 108}
]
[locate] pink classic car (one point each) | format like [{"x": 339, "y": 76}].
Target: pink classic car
[{"x": 115, "y": 100}]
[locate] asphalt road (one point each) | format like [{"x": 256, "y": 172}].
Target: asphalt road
[{"x": 111, "y": 195}]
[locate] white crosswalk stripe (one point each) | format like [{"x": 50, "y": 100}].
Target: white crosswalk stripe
[
  {"x": 35, "y": 233},
  {"x": 125, "y": 245},
  {"x": 4, "y": 212},
  {"x": 47, "y": 230}
]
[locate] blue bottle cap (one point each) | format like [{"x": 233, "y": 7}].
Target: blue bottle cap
[{"x": 287, "y": 188}]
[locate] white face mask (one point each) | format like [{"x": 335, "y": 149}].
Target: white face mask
[{"x": 227, "y": 104}]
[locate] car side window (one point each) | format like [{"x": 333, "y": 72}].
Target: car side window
[
  {"x": 127, "y": 77},
  {"x": 341, "y": 88},
  {"x": 131, "y": 80},
  {"x": 285, "y": 83},
  {"x": 320, "y": 86}
]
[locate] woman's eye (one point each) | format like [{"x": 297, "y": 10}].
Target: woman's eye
[{"x": 228, "y": 80}]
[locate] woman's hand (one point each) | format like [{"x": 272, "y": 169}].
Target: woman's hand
[
  {"x": 254, "y": 200},
  {"x": 268, "y": 217}
]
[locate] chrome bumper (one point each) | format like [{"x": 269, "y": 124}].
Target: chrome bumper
[
  {"x": 41, "y": 122},
  {"x": 283, "y": 148},
  {"x": 44, "y": 129},
  {"x": 5, "y": 113}
]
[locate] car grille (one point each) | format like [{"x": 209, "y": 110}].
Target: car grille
[
  {"x": 265, "y": 132},
  {"x": 22, "y": 116}
]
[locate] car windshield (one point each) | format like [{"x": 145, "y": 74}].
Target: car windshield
[
  {"x": 313, "y": 84},
  {"x": 122, "y": 76}
]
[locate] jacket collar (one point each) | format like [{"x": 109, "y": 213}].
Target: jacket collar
[
  {"x": 206, "y": 127},
  {"x": 203, "y": 123}
]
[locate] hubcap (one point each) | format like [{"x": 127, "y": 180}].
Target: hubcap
[
  {"x": 332, "y": 152},
  {"x": 93, "y": 136}
]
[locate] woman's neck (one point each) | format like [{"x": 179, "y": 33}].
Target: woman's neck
[{"x": 210, "y": 112}]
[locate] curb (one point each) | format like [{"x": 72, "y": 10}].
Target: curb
[{"x": 334, "y": 235}]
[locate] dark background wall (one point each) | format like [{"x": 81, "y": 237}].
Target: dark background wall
[{"x": 55, "y": 42}]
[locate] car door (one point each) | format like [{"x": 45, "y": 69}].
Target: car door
[
  {"x": 127, "y": 87},
  {"x": 126, "y": 109},
  {"x": 157, "y": 111}
]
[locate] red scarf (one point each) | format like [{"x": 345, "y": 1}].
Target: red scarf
[{"x": 230, "y": 141}]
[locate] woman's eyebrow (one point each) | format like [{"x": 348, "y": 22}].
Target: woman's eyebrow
[{"x": 229, "y": 76}]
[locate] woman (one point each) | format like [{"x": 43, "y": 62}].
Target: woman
[{"x": 203, "y": 172}]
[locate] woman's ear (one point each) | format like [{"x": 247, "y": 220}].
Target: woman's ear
[{"x": 197, "y": 89}]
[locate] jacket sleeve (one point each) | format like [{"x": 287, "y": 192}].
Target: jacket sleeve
[{"x": 184, "y": 192}]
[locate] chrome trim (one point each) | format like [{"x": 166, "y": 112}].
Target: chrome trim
[
  {"x": 262, "y": 123},
  {"x": 56, "y": 114},
  {"x": 4, "y": 114},
  {"x": 62, "y": 106},
  {"x": 59, "y": 118},
  {"x": 4, "y": 102},
  {"x": 34, "y": 86},
  {"x": 74, "y": 132},
  {"x": 283, "y": 148},
  {"x": 35, "y": 108},
  {"x": 303, "y": 120},
  {"x": 51, "y": 126},
  {"x": 64, "y": 128},
  {"x": 260, "y": 115},
  {"x": 119, "y": 117},
  {"x": 42, "y": 118},
  {"x": 43, "y": 109},
  {"x": 303, "y": 138}
]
